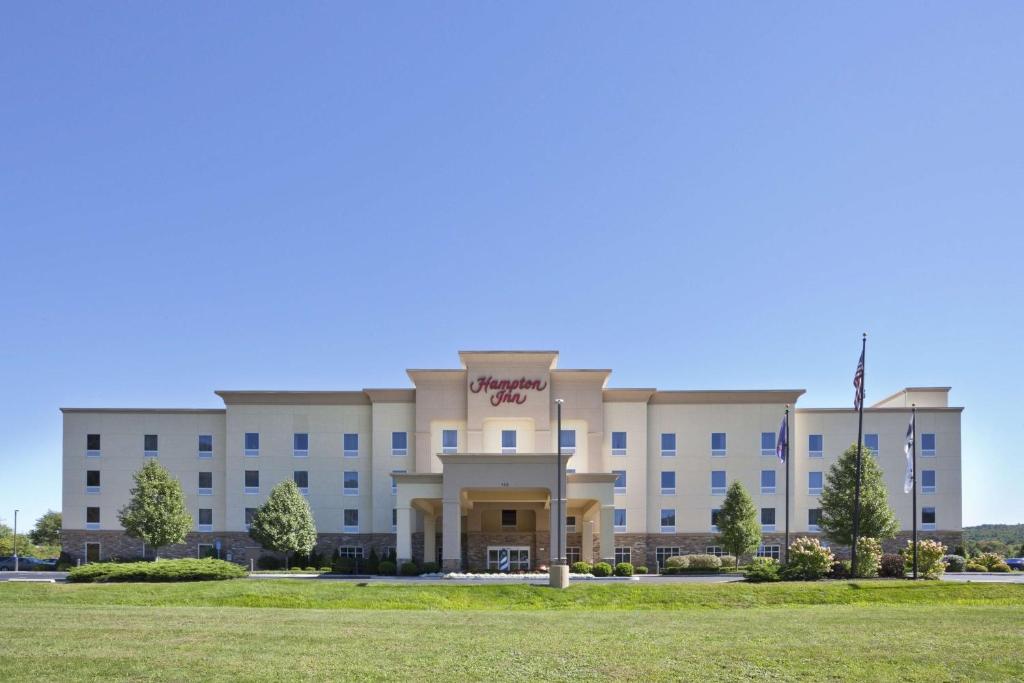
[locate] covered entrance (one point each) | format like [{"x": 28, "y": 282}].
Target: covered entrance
[{"x": 508, "y": 559}]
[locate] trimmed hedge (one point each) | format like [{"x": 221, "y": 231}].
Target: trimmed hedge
[
  {"x": 763, "y": 569},
  {"x": 162, "y": 570},
  {"x": 386, "y": 568},
  {"x": 601, "y": 569},
  {"x": 640, "y": 570},
  {"x": 410, "y": 569},
  {"x": 580, "y": 568},
  {"x": 624, "y": 569},
  {"x": 893, "y": 567}
]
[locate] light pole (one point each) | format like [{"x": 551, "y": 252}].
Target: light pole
[
  {"x": 15, "y": 540},
  {"x": 558, "y": 475}
]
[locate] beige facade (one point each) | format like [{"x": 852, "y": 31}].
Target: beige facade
[{"x": 464, "y": 464}]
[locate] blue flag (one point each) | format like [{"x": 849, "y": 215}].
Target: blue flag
[{"x": 782, "y": 443}]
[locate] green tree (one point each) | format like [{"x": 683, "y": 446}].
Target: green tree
[
  {"x": 47, "y": 529},
  {"x": 876, "y": 517},
  {"x": 156, "y": 513},
  {"x": 284, "y": 523},
  {"x": 738, "y": 525}
]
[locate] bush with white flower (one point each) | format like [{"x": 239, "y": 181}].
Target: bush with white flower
[{"x": 807, "y": 560}]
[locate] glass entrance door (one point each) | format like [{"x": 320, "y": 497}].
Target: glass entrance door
[{"x": 508, "y": 558}]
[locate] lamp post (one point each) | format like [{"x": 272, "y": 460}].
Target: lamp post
[
  {"x": 558, "y": 475},
  {"x": 15, "y": 540}
]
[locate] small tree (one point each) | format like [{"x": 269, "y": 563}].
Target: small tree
[
  {"x": 738, "y": 525},
  {"x": 47, "y": 529},
  {"x": 156, "y": 513},
  {"x": 284, "y": 523},
  {"x": 837, "y": 497}
]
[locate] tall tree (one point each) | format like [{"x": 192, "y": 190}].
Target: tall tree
[
  {"x": 284, "y": 523},
  {"x": 738, "y": 525},
  {"x": 876, "y": 517},
  {"x": 156, "y": 513},
  {"x": 47, "y": 529}
]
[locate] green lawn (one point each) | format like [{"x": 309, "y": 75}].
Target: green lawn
[{"x": 331, "y": 630}]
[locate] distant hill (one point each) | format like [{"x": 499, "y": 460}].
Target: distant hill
[{"x": 1010, "y": 534}]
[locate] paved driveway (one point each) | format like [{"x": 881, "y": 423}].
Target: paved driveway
[
  {"x": 981, "y": 577},
  {"x": 34, "y": 576}
]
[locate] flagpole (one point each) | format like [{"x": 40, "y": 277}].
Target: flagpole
[
  {"x": 786, "y": 450},
  {"x": 860, "y": 438},
  {"x": 913, "y": 479}
]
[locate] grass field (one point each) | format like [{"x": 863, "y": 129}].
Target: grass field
[{"x": 269, "y": 630}]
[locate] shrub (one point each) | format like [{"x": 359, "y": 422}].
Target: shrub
[
  {"x": 601, "y": 569},
  {"x": 954, "y": 563},
  {"x": 988, "y": 560},
  {"x": 929, "y": 558},
  {"x": 869, "y": 557},
  {"x": 727, "y": 560},
  {"x": 624, "y": 569},
  {"x": 640, "y": 570},
  {"x": 410, "y": 569},
  {"x": 386, "y": 567},
  {"x": 269, "y": 562},
  {"x": 999, "y": 567},
  {"x": 373, "y": 562},
  {"x": 840, "y": 569},
  {"x": 763, "y": 569},
  {"x": 580, "y": 568},
  {"x": 164, "y": 570},
  {"x": 309, "y": 570},
  {"x": 324, "y": 570},
  {"x": 975, "y": 567},
  {"x": 892, "y": 566},
  {"x": 343, "y": 565},
  {"x": 704, "y": 562},
  {"x": 808, "y": 560},
  {"x": 678, "y": 562},
  {"x": 429, "y": 568}
]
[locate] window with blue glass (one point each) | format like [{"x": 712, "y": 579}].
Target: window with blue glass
[
  {"x": 714, "y": 519},
  {"x": 567, "y": 439},
  {"x": 928, "y": 518},
  {"x": 252, "y": 443},
  {"x": 668, "y": 444},
  {"x": 399, "y": 443},
  {"x": 767, "y": 443},
  {"x": 768, "y": 519},
  {"x": 718, "y": 443},
  {"x": 508, "y": 441},
  {"x": 718, "y": 481},
  {"x": 449, "y": 441},
  {"x": 871, "y": 443},
  {"x": 668, "y": 520},
  {"x": 300, "y": 443},
  {"x": 351, "y": 483},
  {"x": 618, "y": 443},
  {"x": 668, "y": 482},
  {"x": 620, "y": 481},
  {"x": 927, "y": 444},
  {"x": 620, "y": 519},
  {"x": 814, "y": 480},
  {"x": 767, "y": 481},
  {"x": 350, "y": 444},
  {"x": 927, "y": 481},
  {"x": 814, "y": 445}
]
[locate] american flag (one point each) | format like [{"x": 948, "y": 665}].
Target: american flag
[
  {"x": 908, "y": 447},
  {"x": 858, "y": 383},
  {"x": 782, "y": 443}
]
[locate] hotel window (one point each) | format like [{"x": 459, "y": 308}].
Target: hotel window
[
  {"x": 927, "y": 481},
  {"x": 92, "y": 481},
  {"x": 814, "y": 519},
  {"x": 668, "y": 483},
  {"x": 204, "y": 447},
  {"x": 572, "y": 555},
  {"x": 668, "y": 520},
  {"x": 449, "y": 441},
  {"x": 767, "y": 443},
  {"x": 351, "y": 483},
  {"x": 205, "y": 550},
  {"x": 300, "y": 445},
  {"x": 150, "y": 447},
  {"x": 92, "y": 445},
  {"x": 772, "y": 551},
  {"x": 249, "y": 514},
  {"x": 668, "y": 444},
  {"x": 871, "y": 443},
  {"x": 623, "y": 553},
  {"x": 567, "y": 441},
  {"x": 350, "y": 520},
  {"x": 619, "y": 521},
  {"x": 205, "y": 484},
  {"x": 394, "y": 485},
  {"x": 399, "y": 443},
  {"x": 928, "y": 519},
  {"x": 205, "y": 519},
  {"x": 767, "y": 519},
  {"x": 718, "y": 481},
  {"x": 618, "y": 443},
  {"x": 252, "y": 481},
  {"x": 718, "y": 443},
  {"x": 92, "y": 552},
  {"x": 620, "y": 481},
  {"x": 252, "y": 443},
  {"x": 714, "y": 520},
  {"x": 301, "y": 479},
  {"x": 767, "y": 481},
  {"x": 92, "y": 518},
  {"x": 928, "y": 444},
  {"x": 509, "y": 519},
  {"x": 663, "y": 553},
  {"x": 352, "y": 552},
  {"x": 508, "y": 441},
  {"x": 814, "y": 445},
  {"x": 715, "y": 550},
  {"x": 350, "y": 445},
  {"x": 570, "y": 524},
  {"x": 814, "y": 483},
  {"x": 394, "y": 519}
]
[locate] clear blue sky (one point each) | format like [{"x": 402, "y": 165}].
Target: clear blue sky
[{"x": 701, "y": 195}]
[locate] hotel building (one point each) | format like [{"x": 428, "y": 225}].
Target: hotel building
[{"x": 463, "y": 464}]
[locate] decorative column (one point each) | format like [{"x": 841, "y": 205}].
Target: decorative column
[
  {"x": 607, "y": 545},
  {"x": 403, "y": 540},
  {"x": 587, "y": 542},
  {"x": 429, "y": 537},
  {"x": 451, "y": 536}
]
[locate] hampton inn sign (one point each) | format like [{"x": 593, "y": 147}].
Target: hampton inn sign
[{"x": 460, "y": 466}]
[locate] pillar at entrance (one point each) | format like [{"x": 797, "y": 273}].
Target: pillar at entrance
[
  {"x": 451, "y": 536},
  {"x": 403, "y": 540},
  {"x": 429, "y": 537},
  {"x": 587, "y": 545},
  {"x": 607, "y": 545}
]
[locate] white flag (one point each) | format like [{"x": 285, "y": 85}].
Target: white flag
[{"x": 908, "y": 448}]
